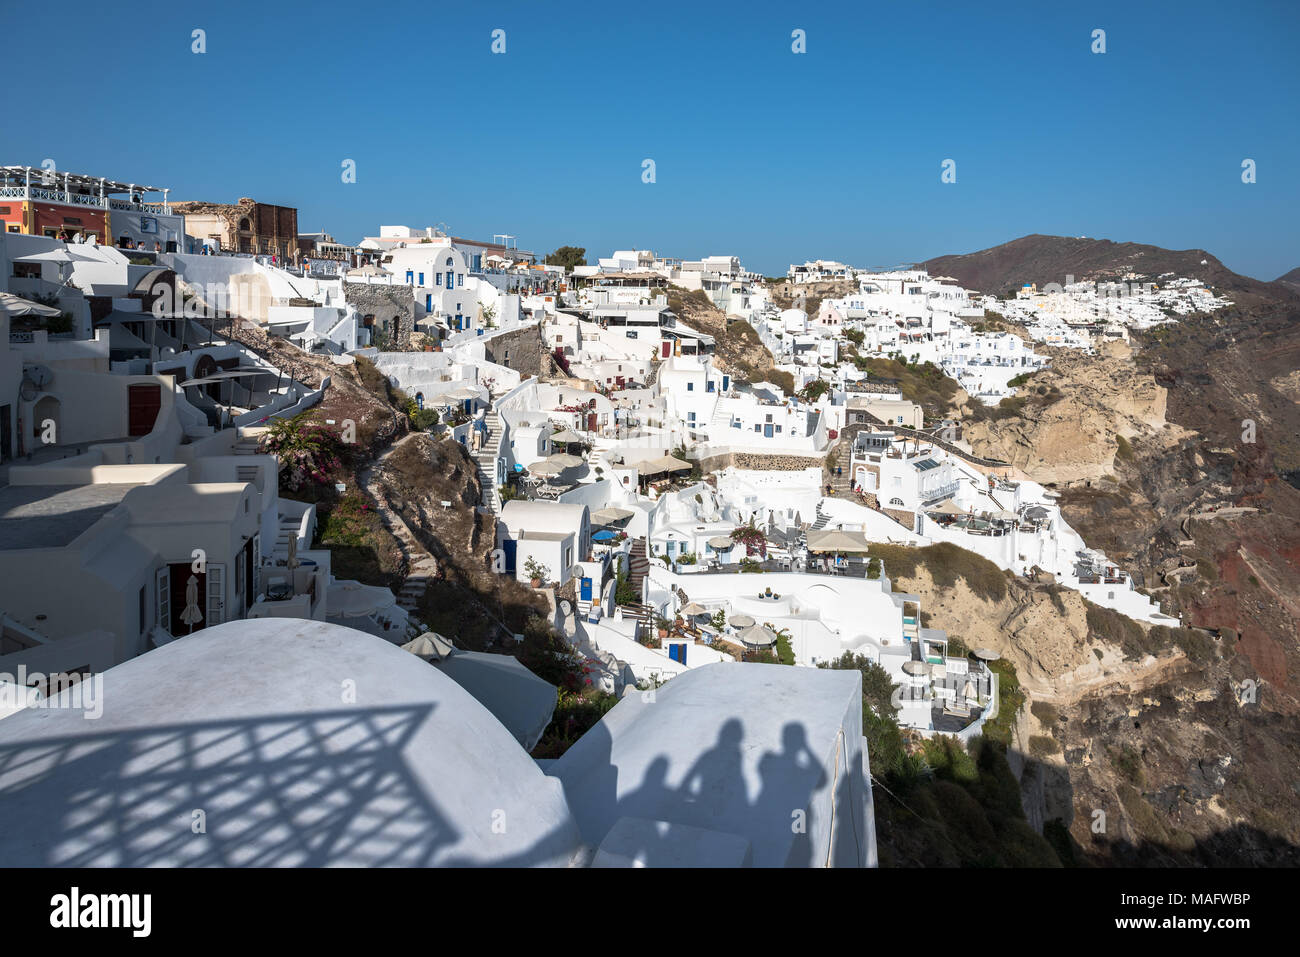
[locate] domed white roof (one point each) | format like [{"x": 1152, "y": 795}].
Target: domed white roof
[{"x": 275, "y": 742}]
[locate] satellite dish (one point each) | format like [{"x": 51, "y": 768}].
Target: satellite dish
[
  {"x": 565, "y": 608},
  {"x": 41, "y": 376},
  {"x": 577, "y": 572},
  {"x": 28, "y": 390}
]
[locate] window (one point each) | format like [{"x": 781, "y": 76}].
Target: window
[
  {"x": 421, "y": 279},
  {"x": 437, "y": 279},
  {"x": 460, "y": 279},
  {"x": 709, "y": 386},
  {"x": 757, "y": 427},
  {"x": 690, "y": 387},
  {"x": 632, "y": 334},
  {"x": 895, "y": 501}
]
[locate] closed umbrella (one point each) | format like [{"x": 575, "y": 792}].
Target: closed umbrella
[{"x": 191, "y": 615}]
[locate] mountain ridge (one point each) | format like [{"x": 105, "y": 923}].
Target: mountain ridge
[{"x": 1043, "y": 259}]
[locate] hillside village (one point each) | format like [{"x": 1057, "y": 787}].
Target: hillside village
[{"x": 641, "y": 477}]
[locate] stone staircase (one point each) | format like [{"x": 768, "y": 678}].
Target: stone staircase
[
  {"x": 486, "y": 457},
  {"x": 286, "y": 530},
  {"x": 822, "y": 519},
  {"x": 638, "y": 564}
]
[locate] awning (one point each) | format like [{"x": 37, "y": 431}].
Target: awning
[
  {"x": 837, "y": 540},
  {"x": 665, "y": 463}
]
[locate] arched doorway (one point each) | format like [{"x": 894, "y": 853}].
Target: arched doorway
[{"x": 46, "y": 420}]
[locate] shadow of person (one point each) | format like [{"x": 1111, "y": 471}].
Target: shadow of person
[
  {"x": 651, "y": 800},
  {"x": 790, "y": 778},
  {"x": 715, "y": 783}
]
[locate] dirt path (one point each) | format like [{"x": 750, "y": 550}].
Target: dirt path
[{"x": 421, "y": 566}]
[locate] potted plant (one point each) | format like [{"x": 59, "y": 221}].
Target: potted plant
[
  {"x": 663, "y": 625},
  {"x": 536, "y": 572}
]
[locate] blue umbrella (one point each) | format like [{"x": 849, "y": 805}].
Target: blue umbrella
[{"x": 603, "y": 536}]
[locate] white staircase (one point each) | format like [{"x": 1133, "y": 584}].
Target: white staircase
[{"x": 487, "y": 462}]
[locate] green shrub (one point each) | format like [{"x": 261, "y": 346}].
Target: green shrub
[
  {"x": 947, "y": 563},
  {"x": 1042, "y": 745},
  {"x": 1045, "y": 712}
]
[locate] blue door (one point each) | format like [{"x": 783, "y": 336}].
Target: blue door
[
  {"x": 450, "y": 274},
  {"x": 509, "y": 546},
  {"x": 585, "y": 594},
  {"x": 726, "y": 383},
  {"x": 767, "y": 431}
]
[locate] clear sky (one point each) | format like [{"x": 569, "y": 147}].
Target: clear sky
[{"x": 759, "y": 152}]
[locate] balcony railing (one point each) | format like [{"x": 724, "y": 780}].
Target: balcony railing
[{"x": 80, "y": 199}]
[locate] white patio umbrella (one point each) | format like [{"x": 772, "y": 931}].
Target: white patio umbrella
[
  {"x": 61, "y": 256},
  {"x": 566, "y": 461},
  {"x": 721, "y": 543},
  {"x": 741, "y": 621},
  {"x": 430, "y": 646},
  {"x": 565, "y": 437},
  {"x": 18, "y": 306},
  {"x": 191, "y": 615},
  {"x": 351, "y": 599},
  {"x": 545, "y": 467},
  {"x": 759, "y": 636},
  {"x": 516, "y": 697},
  {"x": 693, "y": 609}
]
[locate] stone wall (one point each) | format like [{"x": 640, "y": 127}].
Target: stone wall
[
  {"x": 393, "y": 304},
  {"x": 905, "y": 518},
  {"x": 523, "y": 350},
  {"x": 759, "y": 462}
]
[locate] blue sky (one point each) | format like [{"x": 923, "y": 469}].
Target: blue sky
[{"x": 759, "y": 152}]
